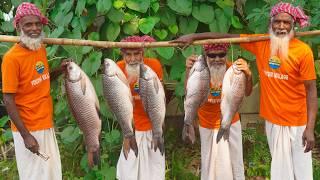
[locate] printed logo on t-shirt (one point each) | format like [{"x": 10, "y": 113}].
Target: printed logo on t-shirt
[
  {"x": 215, "y": 91},
  {"x": 40, "y": 67},
  {"x": 136, "y": 87},
  {"x": 274, "y": 62}
]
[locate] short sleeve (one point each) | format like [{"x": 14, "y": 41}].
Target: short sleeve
[
  {"x": 307, "y": 68},
  {"x": 10, "y": 75},
  {"x": 252, "y": 47}
]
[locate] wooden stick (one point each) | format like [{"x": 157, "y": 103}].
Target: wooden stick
[{"x": 109, "y": 44}]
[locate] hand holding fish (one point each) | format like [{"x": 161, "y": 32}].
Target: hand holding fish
[
  {"x": 242, "y": 65},
  {"x": 190, "y": 61}
]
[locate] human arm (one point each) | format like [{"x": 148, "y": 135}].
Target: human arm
[
  {"x": 58, "y": 71},
  {"x": 189, "y": 63},
  {"x": 308, "y": 138},
  {"x": 29, "y": 141},
  {"x": 243, "y": 66}
]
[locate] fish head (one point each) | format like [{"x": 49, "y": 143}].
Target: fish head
[
  {"x": 109, "y": 67},
  {"x": 73, "y": 72},
  {"x": 145, "y": 72}
]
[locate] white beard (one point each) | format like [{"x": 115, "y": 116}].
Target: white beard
[
  {"x": 217, "y": 73},
  {"x": 280, "y": 45},
  {"x": 31, "y": 43},
  {"x": 133, "y": 72}
]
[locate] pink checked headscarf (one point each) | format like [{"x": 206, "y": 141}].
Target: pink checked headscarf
[
  {"x": 144, "y": 38},
  {"x": 26, "y": 9},
  {"x": 296, "y": 13},
  {"x": 220, "y": 46}
]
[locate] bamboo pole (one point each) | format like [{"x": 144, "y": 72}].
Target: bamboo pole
[{"x": 109, "y": 44}]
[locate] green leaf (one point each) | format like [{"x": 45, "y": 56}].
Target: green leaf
[
  {"x": 161, "y": 34},
  {"x": 225, "y": 3},
  {"x": 113, "y": 31},
  {"x": 115, "y": 15},
  {"x": 203, "y": 12},
  {"x": 138, "y": 5},
  {"x": 96, "y": 81},
  {"x": 173, "y": 29},
  {"x": 128, "y": 17},
  {"x": 84, "y": 162},
  {"x": 183, "y": 7},
  {"x": 167, "y": 17},
  {"x": 80, "y": 7},
  {"x": 67, "y": 19},
  {"x": 113, "y": 137},
  {"x": 166, "y": 52},
  {"x": 91, "y": 2},
  {"x": 131, "y": 28},
  {"x": 191, "y": 50},
  {"x": 3, "y": 121},
  {"x": 70, "y": 134},
  {"x": 155, "y": 6},
  {"x": 146, "y": 24},
  {"x": 57, "y": 32},
  {"x": 7, "y": 135},
  {"x": 94, "y": 36},
  {"x": 179, "y": 90},
  {"x": 236, "y": 22},
  {"x": 86, "y": 49},
  {"x": 91, "y": 64},
  {"x": 188, "y": 25},
  {"x": 221, "y": 23},
  {"x": 7, "y": 26},
  {"x": 103, "y": 6},
  {"x": 109, "y": 173},
  {"x": 118, "y": 4},
  {"x": 60, "y": 106}
]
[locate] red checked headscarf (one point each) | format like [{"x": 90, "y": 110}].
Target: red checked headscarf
[
  {"x": 220, "y": 46},
  {"x": 144, "y": 38},
  {"x": 296, "y": 13},
  {"x": 26, "y": 9}
]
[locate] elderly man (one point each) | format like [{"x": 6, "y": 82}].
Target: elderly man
[
  {"x": 26, "y": 94},
  {"x": 149, "y": 164},
  {"x": 223, "y": 160},
  {"x": 288, "y": 99}
]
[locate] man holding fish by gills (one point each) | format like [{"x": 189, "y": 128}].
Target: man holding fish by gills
[
  {"x": 222, "y": 160},
  {"x": 26, "y": 94},
  {"x": 150, "y": 162},
  {"x": 288, "y": 100}
]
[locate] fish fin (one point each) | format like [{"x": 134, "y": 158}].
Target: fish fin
[
  {"x": 130, "y": 143},
  {"x": 83, "y": 85},
  {"x": 156, "y": 85}
]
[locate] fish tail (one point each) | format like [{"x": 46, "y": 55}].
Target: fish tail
[
  {"x": 94, "y": 158},
  {"x": 158, "y": 143},
  {"x": 223, "y": 133},
  {"x": 133, "y": 145}
]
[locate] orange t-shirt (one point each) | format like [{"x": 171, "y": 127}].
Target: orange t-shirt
[
  {"x": 26, "y": 73},
  {"x": 210, "y": 113},
  {"x": 283, "y": 95},
  {"x": 141, "y": 120}
]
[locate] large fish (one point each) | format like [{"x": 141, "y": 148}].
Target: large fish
[
  {"x": 117, "y": 93},
  {"x": 154, "y": 102},
  {"x": 84, "y": 106},
  {"x": 233, "y": 91},
  {"x": 197, "y": 91}
]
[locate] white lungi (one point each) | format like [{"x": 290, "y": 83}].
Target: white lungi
[
  {"x": 31, "y": 166},
  {"x": 149, "y": 165},
  {"x": 289, "y": 161},
  {"x": 223, "y": 160}
]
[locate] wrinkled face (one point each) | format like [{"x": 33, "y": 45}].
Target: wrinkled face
[
  {"x": 282, "y": 24},
  {"x": 216, "y": 57},
  {"x": 73, "y": 72},
  {"x": 31, "y": 26},
  {"x": 132, "y": 56}
]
